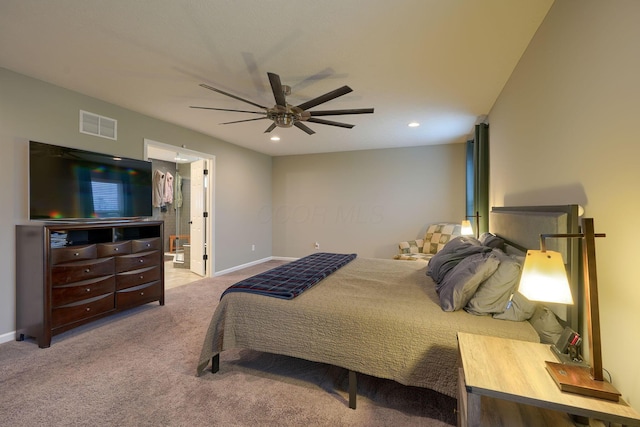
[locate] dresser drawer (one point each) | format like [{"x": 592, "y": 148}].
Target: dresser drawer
[
  {"x": 82, "y": 270},
  {"x": 142, "y": 245},
  {"x": 82, "y": 310},
  {"x": 114, "y": 249},
  {"x": 74, "y": 253},
  {"x": 137, "y": 277},
  {"x": 78, "y": 291},
  {"x": 137, "y": 261},
  {"x": 139, "y": 295}
]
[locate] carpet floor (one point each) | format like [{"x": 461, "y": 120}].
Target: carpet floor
[{"x": 137, "y": 368}]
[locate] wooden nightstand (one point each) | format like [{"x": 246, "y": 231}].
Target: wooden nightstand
[{"x": 504, "y": 382}]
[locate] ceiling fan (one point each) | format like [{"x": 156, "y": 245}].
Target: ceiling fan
[{"x": 286, "y": 115}]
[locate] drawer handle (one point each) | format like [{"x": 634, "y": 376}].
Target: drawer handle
[
  {"x": 117, "y": 249},
  {"x": 88, "y": 309},
  {"x": 141, "y": 261},
  {"x": 141, "y": 293},
  {"x": 141, "y": 276},
  {"x": 76, "y": 254},
  {"x": 148, "y": 245},
  {"x": 88, "y": 289},
  {"x": 87, "y": 270}
]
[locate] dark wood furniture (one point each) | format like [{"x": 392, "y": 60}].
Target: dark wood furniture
[
  {"x": 175, "y": 238},
  {"x": 70, "y": 274}
]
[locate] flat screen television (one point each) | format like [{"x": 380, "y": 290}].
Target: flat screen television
[{"x": 72, "y": 184}]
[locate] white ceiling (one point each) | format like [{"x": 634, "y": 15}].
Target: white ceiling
[{"x": 442, "y": 63}]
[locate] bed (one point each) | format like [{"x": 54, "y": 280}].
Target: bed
[{"x": 378, "y": 317}]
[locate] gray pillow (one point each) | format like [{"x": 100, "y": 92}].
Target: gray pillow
[
  {"x": 459, "y": 285},
  {"x": 545, "y": 322},
  {"x": 520, "y": 309},
  {"x": 491, "y": 240},
  {"x": 493, "y": 294},
  {"x": 451, "y": 254}
]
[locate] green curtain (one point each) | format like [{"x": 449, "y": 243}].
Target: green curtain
[
  {"x": 477, "y": 191},
  {"x": 470, "y": 184}
]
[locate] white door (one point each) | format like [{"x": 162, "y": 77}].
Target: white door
[{"x": 197, "y": 220}]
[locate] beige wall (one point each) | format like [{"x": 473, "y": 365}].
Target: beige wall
[
  {"x": 364, "y": 201},
  {"x": 34, "y": 110},
  {"x": 564, "y": 130}
]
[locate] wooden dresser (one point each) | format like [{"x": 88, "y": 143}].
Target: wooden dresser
[{"x": 69, "y": 274}]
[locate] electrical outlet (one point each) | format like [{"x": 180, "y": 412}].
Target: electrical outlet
[
  {"x": 253, "y": 248},
  {"x": 317, "y": 245}
]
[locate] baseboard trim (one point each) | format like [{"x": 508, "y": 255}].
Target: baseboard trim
[
  {"x": 9, "y": 336},
  {"x": 251, "y": 264}
]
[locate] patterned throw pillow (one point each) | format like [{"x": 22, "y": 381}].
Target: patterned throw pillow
[
  {"x": 439, "y": 235},
  {"x": 411, "y": 247}
]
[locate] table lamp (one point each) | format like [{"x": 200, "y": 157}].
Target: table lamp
[
  {"x": 466, "y": 229},
  {"x": 544, "y": 278}
]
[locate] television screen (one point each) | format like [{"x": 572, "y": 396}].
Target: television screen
[{"x": 67, "y": 183}]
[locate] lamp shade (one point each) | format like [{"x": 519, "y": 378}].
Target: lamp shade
[
  {"x": 544, "y": 278},
  {"x": 466, "y": 229}
]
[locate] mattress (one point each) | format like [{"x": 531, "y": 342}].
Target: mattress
[{"x": 373, "y": 316}]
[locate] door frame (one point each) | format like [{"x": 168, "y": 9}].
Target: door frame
[{"x": 210, "y": 199}]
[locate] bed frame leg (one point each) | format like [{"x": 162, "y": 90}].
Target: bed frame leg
[
  {"x": 215, "y": 363},
  {"x": 353, "y": 386}
]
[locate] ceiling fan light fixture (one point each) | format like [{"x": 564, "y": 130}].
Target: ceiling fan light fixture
[{"x": 284, "y": 120}]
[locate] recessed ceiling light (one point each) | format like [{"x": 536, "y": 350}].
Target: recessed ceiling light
[
  {"x": 414, "y": 124},
  {"x": 275, "y": 138}
]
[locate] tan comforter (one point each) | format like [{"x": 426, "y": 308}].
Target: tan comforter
[{"x": 373, "y": 316}]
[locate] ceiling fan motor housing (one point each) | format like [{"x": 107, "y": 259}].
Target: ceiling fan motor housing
[{"x": 285, "y": 117}]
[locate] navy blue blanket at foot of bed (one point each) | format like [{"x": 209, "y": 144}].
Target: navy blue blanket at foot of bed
[{"x": 290, "y": 280}]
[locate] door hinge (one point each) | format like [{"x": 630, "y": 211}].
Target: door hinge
[
  {"x": 205, "y": 214},
  {"x": 205, "y": 171},
  {"x": 205, "y": 257}
]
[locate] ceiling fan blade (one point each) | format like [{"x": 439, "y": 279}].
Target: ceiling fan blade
[
  {"x": 304, "y": 127},
  {"x": 326, "y": 97},
  {"x": 276, "y": 87},
  {"x": 329, "y": 122},
  {"x": 340, "y": 112},
  {"x": 240, "y": 121},
  {"x": 226, "y": 109},
  {"x": 270, "y": 128},
  {"x": 231, "y": 95}
]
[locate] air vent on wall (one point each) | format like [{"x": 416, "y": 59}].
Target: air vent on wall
[{"x": 94, "y": 124}]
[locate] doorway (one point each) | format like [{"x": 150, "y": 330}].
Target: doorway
[{"x": 184, "y": 201}]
